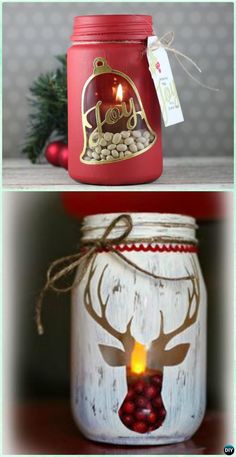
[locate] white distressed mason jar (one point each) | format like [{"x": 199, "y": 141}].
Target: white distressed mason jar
[{"x": 139, "y": 342}]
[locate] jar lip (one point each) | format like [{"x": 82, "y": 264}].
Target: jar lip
[
  {"x": 112, "y": 27},
  {"x": 142, "y": 217}
]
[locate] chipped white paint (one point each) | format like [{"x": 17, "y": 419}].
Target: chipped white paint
[{"x": 98, "y": 389}]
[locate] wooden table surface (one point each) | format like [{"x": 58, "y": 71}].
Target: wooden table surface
[
  {"x": 48, "y": 428},
  {"x": 185, "y": 173}
]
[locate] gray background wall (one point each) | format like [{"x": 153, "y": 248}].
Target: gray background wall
[{"x": 33, "y": 33}]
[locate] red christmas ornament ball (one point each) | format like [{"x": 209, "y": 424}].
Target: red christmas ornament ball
[
  {"x": 52, "y": 152},
  {"x": 63, "y": 156}
]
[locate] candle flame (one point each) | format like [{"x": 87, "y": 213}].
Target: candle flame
[
  {"x": 138, "y": 358},
  {"x": 119, "y": 93}
]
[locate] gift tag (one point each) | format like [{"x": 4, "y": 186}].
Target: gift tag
[{"x": 162, "y": 76}]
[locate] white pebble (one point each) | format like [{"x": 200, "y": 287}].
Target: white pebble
[
  {"x": 136, "y": 133},
  {"x": 146, "y": 134},
  {"x": 102, "y": 142},
  {"x": 142, "y": 140},
  {"x": 133, "y": 147},
  {"x": 90, "y": 153},
  {"x": 125, "y": 134},
  {"x": 129, "y": 141},
  {"x": 116, "y": 138},
  {"x": 108, "y": 136},
  {"x": 111, "y": 146},
  {"x": 105, "y": 152},
  {"x": 96, "y": 156},
  {"x": 121, "y": 147},
  {"x": 140, "y": 146}
]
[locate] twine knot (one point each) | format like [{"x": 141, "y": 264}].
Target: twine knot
[{"x": 60, "y": 268}]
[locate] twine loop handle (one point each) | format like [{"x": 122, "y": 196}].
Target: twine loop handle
[
  {"x": 119, "y": 239},
  {"x": 60, "y": 268}
]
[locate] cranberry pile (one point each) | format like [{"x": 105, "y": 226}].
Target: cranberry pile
[{"x": 142, "y": 409}]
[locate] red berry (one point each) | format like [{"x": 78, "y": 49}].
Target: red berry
[
  {"x": 128, "y": 407},
  {"x": 157, "y": 380},
  {"x": 157, "y": 402},
  {"x": 130, "y": 394},
  {"x": 162, "y": 412},
  {"x": 139, "y": 386},
  {"x": 152, "y": 418},
  {"x": 140, "y": 415},
  {"x": 148, "y": 407},
  {"x": 141, "y": 402},
  {"x": 140, "y": 427},
  {"x": 150, "y": 392},
  {"x": 128, "y": 420}
]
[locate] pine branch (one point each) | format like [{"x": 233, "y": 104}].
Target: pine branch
[{"x": 48, "y": 100}]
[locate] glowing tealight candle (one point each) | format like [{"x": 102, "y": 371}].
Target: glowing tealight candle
[
  {"x": 119, "y": 93},
  {"x": 138, "y": 358}
]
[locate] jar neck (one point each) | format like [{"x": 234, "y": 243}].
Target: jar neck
[{"x": 146, "y": 228}]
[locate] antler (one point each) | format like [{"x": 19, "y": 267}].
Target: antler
[
  {"x": 159, "y": 355},
  {"x": 124, "y": 337},
  {"x": 188, "y": 321}
]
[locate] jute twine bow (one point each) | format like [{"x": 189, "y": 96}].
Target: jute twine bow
[
  {"x": 60, "y": 268},
  {"x": 165, "y": 42}
]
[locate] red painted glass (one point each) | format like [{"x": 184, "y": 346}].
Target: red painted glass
[{"x": 113, "y": 112}]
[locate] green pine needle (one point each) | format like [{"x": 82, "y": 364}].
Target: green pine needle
[{"x": 49, "y": 111}]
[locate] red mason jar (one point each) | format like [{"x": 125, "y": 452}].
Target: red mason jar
[{"x": 113, "y": 111}]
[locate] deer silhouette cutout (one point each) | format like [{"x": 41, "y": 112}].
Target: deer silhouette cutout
[{"x": 142, "y": 409}]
